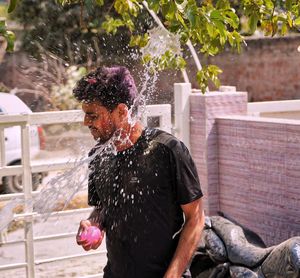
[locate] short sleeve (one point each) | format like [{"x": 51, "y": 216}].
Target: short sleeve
[{"x": 187, "y": 184}]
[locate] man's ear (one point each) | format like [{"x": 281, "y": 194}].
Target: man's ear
[{"x": 122, "y": 110}]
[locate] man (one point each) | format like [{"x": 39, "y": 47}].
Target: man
[{"x": 147, "y": 195}]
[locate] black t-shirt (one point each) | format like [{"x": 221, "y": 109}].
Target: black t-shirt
[{"x": 139, "y": 192}]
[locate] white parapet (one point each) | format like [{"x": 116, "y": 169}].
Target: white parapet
[{"x": 264, "y": 108}]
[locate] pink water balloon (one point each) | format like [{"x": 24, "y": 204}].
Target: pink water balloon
[{"x": 92, "y": 235}]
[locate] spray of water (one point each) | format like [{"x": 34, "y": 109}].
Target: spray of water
[
  {"x": 65, "y": 186},
  {"x": 160, "y": 41}
]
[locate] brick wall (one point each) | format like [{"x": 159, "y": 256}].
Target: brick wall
[
  {"x": 268, "y": 68},
  {"x": 204, "y": 109},
  {"x": 259, "y": 174}
]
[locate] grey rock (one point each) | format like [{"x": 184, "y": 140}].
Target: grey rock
[
  {"x": 284, "y": 260},
  {"x": 239, "y": 250},
  {"x": 214, "y": 246},
  {"x": 207, "y": 223},
  {"x": 242, "y": 272},
  {"x": 220, "y": 271},
  {"x": 251, "y": 236}
]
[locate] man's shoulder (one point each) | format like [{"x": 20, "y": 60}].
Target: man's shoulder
[{"x": 166, "y": 139}]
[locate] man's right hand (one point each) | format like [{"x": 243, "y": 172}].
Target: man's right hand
[{"x": 84, "y": 225}]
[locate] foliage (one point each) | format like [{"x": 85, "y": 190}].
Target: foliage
[
  {"x": 71, "y": 32},
  {"x": 210, "y": 24},
  {"x": 8, "y": 36},
  {"x": 273, "y": 16},
  {"x": 59, "y": 30}
]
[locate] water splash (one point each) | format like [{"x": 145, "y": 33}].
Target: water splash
[
  {"x": 160, "y": 41},
  {"x": 66, "y": 185},
  {"x": 7, "y": 213}
]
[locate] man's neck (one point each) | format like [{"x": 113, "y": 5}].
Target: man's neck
[{"x": 129, "y": 136}]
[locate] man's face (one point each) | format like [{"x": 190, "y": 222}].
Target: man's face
[{"x": 99, "y": 120}]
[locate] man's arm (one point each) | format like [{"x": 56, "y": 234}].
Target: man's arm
[
  {"x": 96, "y": 218},
  {"x": 189, "y": 238}
]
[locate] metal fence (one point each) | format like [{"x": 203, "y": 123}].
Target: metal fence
[{"x": 26, "y": 169}]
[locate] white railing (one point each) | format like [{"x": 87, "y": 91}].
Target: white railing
[
  {"x": 285, "y": 109},
  {"x": 163, "y": 112}
]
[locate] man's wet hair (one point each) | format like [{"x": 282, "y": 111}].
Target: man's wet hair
[{"x": 108, "y": 85}]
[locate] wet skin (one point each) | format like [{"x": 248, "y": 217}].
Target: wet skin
[
  {"x": 100, "y": 121},
  {"x": 104, "y": 124}
]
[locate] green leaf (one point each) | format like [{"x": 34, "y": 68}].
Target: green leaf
[
  {"x": 202, "y": 79},
  {"x": 99, "y": 2},
  {"x": 181, "y": 20},
  {"x": 121, "y": 6},
  {"x": 297, "y": 21},
  {"x": 232, "y": 19},
  {"x": 230, "y": 39},
  {"x": 269, "y": 4},
  {"x": 2, "y": 26},
  {"x": 154, "y": 5},
  {"x": 274, "y": 26},
  {"x": 289, "y": 19},
  {"x": 10, "y": 38},
  {"x": 170, "y": 15},
  {"x": 288, "y": 5},
  {"x": 127, "y": 21},
  {"x": 253, "y": 20},
  {"x": 223, "y": 4},
  {"x": 138, "y": 40},
  {"x": 111, "y": 25},
  {"x": 215, "y": 14},
  {"x": 222, "y": 31},
  {"x": 192, "y": 15},
  {"x": 180, "y": 63},
  {"x": 210, "y": 30},
  {"x": 12, "y": 5},
  {"x": 284, "y": 28}
]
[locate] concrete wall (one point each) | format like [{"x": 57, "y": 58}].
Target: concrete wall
[
  {"x": 249, "y": 167},
  {"x": 204, "y": 109},
  {"x": 267, "y": 68},
  {"x": 259, "y": 174}
]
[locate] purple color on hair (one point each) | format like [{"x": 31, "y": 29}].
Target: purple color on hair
[{"x": 108, "y": 85}]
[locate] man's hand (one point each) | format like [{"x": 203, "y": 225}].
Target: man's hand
[{"x": 84, "y": 225}]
